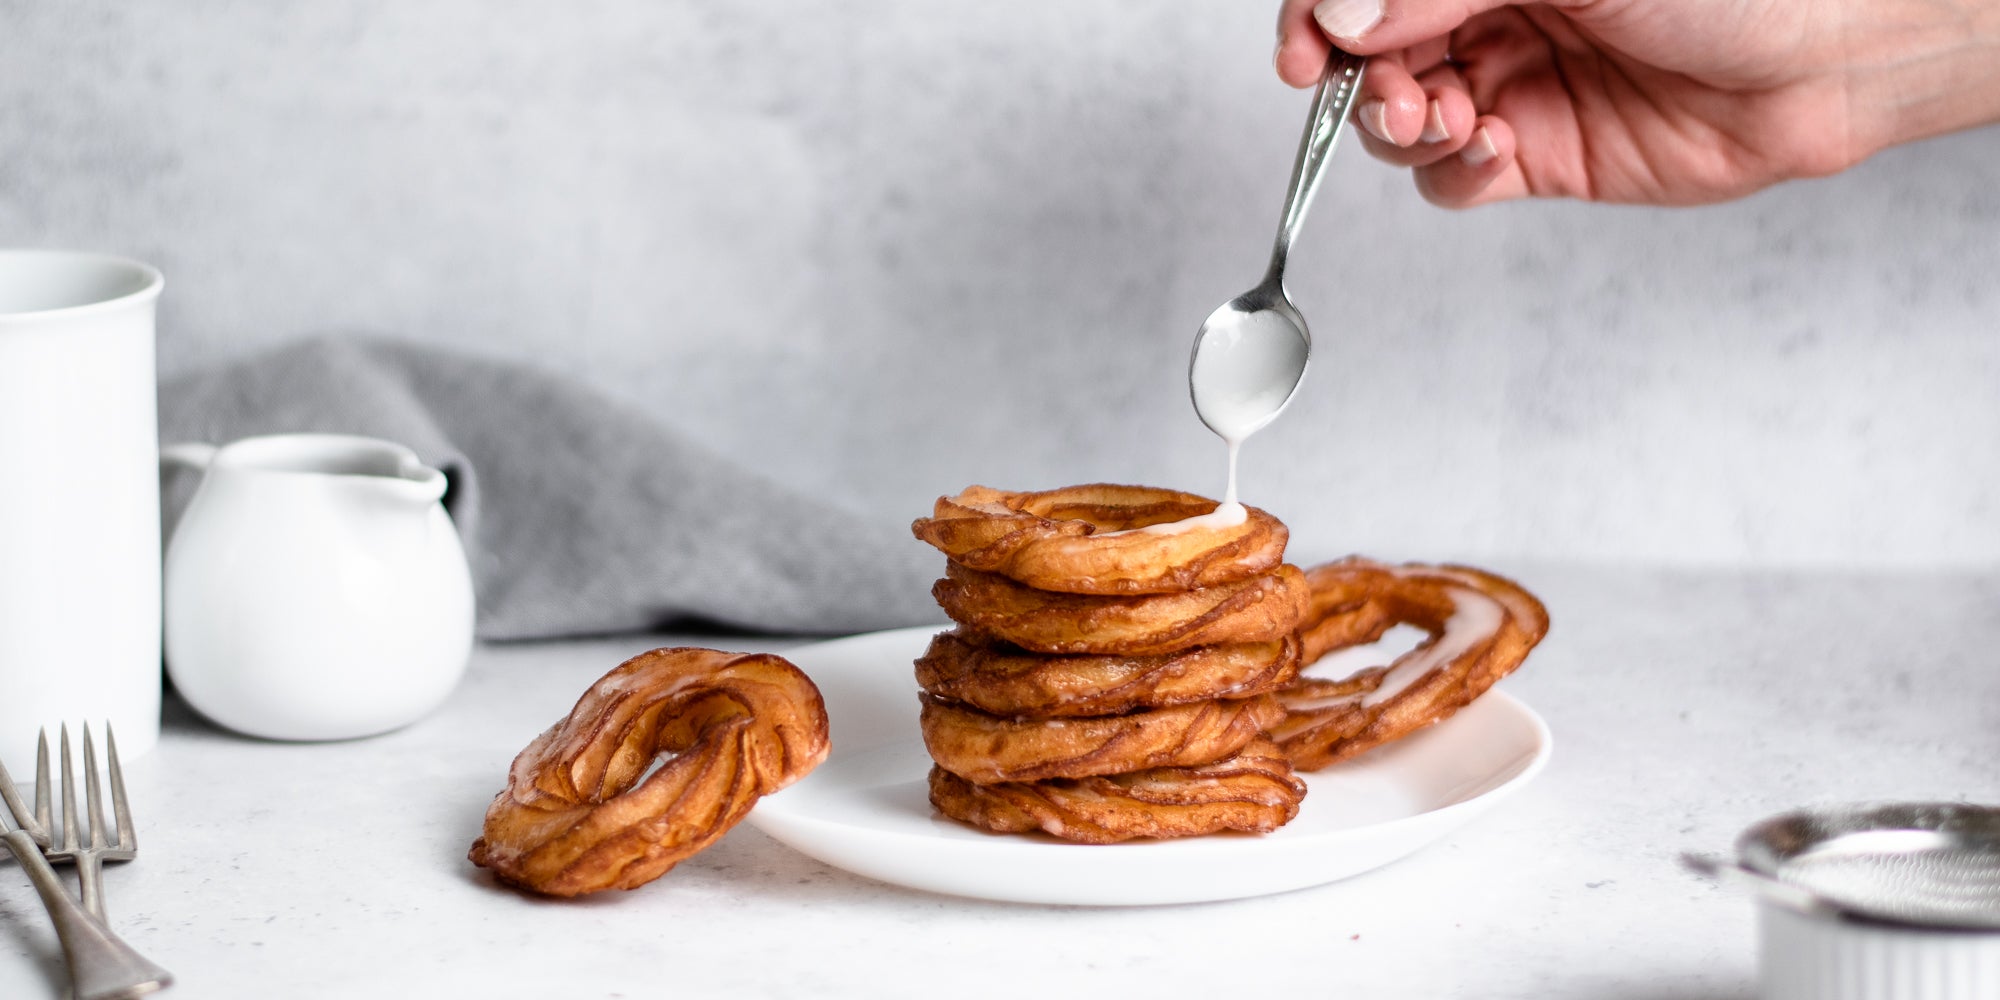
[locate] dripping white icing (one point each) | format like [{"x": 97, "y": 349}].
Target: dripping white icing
[{"x": 1229, "y": 495}]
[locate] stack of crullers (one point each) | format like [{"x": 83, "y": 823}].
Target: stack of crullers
[{"x": 1113, "y": 669}]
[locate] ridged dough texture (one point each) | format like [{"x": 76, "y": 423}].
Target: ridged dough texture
[
  {"x": 1256, "y": 609},
  {"x": 1079, "y": 539},
  {"x": 581, "y": 812},
  {"x": 1002, "y": 679},
  {"x": 984, "y": 749},
  {"x": 1481, "y": 626},
  {"x": 1253, "y": 791}
]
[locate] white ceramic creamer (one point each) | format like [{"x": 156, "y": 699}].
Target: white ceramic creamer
[{"x": 315, "y": 587}]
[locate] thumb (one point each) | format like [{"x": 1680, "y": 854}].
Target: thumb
[{"x": 1371, "y": 27}]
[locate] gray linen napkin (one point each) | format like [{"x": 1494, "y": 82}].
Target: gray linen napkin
[{"x": 579, "y": 514}]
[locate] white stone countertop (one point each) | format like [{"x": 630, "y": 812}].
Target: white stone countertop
[{"x": 1684, "y": 707}]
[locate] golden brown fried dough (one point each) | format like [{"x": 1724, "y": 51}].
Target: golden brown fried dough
[
  {"x": 1257, "y": 609},
  {"x": 1080, "y": 539},
  {"x": 1005, "y": 680},
  {"x": 1252, "y": 790},
  {"x": 1481, "y": 627},
  {"x": 575, "y": 816},
  {"x": 984, "y": 749}
]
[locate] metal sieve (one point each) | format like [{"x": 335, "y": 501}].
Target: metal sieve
[{"x": 1923, "y": 864}]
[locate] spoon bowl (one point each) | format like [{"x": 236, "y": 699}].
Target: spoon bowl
[{"x": 1248, "y": 360}]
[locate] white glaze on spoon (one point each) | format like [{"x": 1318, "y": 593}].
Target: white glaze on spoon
[{"x": 1243, "y": 372}]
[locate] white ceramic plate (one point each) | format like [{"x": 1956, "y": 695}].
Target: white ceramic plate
[{"x": 867, "y": 808}]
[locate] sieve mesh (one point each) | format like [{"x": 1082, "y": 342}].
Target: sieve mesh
[{"x": 1928, "y": 864}]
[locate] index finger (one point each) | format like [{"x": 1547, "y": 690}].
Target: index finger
[
  {"x": 1373, "y": 27},
  {"x": 1302, "y": 47}
]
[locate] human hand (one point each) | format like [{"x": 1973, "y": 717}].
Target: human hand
[{"x": 1656, "y": 102}]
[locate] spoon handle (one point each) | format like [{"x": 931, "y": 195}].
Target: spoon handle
[
  {"x": 1774, "y": 889},
  {"x": 1337, "y": 86}
]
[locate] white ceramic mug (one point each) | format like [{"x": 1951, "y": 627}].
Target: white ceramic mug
[{"x": 79, "y": 500}]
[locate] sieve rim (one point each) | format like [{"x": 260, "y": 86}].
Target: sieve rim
[{"x": 1773, "y": 846}]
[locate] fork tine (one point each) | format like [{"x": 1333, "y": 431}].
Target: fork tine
[
  {"x": 15, "y": 807},
  {"x": 36, "y": 825},
  {"x": 43, "y": 816},
  {"x": 128, "y": 838},
  {"x": 69, "y": 839},
  {"x": 92, "y": 792}
]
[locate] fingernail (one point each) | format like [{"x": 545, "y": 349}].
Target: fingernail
[
  {"x": 1434, "y": 130},
  {"x": 1347, "y": 19},
  {"x": 1480, "y": 149},
  {"x": 1278, "y": 50},
  {"x": 1374, "y": 116}
]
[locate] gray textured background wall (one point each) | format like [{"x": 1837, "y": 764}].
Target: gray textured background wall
[{"x": 892, "y": 247}]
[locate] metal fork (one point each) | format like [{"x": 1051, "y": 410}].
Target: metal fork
[
  {"x": 101, "y": 965},
  {"x": 88, "y": 857}
]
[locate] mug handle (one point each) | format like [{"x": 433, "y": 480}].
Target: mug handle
[{"x": 187, "y": 455}]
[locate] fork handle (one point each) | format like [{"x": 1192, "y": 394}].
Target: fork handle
[
  {"x": 101, "y": 965},
  {"x": 90, "y": 881}
]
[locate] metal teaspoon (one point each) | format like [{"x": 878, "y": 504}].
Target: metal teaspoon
[{"x": 1251, "y": 352}]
